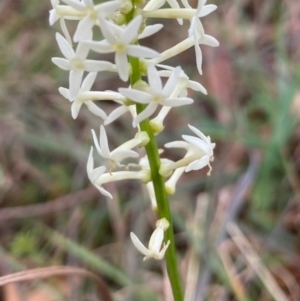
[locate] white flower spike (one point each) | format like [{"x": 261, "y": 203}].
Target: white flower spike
[{"x": 155, "y": 249}]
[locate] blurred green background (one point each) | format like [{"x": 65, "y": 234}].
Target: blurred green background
[{"x": 50, "y": 215}]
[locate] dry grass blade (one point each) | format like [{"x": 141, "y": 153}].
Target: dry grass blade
[
  {"x": 255, "y": 262},
  {"x": 236, "y": 284},
  {"x": 41, "y": 273},
  {"x": 59, "y": 204},
  {"x": 194, "y": 264}
]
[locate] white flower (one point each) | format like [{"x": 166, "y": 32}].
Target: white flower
[
  {"x": 91, "y": 12},
  {"x": 180, "y": 90},
  {"x": 204, "y": 144},
  {"x": 199, "y": 153},
  {"x": 77, "y": 63},
  {"x": 118, "y": 40},
  {"x": 79, "y": 100},
  {"x": 156, "y": 240},
  {"x": 196, "y": 31},
  {"x": 158, "y": 95},
  {"x": 94, "y": 174},
  {"x": 183, "y": 83},
  {"x": 120, "y": 153}
]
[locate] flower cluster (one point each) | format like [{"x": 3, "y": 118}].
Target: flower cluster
[{"x": 123, "y": 24}]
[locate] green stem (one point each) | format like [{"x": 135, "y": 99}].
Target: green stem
[{"x": 163, "y": 207}]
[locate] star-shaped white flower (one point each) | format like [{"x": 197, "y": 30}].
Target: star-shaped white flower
[
  {"x": 95, "y": 174},
  {"x": 91, "y": 12},
  {"x": 77, "y": 63},
  {"x": 155, "y": 249},
  {"x": 117, "y": 155},
  {"x": 79, "y": 101},
  {"x": 204, "y": 144},
  {"x": 199, "y": 152},
  {"x": 183, "y": 83},
  {"x": 196, "y": 31},
  {"x": 119, "y": 40},
  {"x": 158, "y": 95}
]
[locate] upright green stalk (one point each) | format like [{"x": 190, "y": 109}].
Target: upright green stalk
[{"x": 163, "y": 207}]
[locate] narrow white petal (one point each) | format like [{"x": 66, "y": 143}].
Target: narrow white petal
[
  {"x": 82, "y": 51},
  {"x": 93, "y": 108},
  {"x": 144, "y": 114},
  {"x": 198, "y": 164},
  {"x": 121, "y": 61},
  {"x": 198, "y": 58},
  {"x": 199, "y": 133},
  {"x": 93, "y": 65},
  {"x": 65, "y": 31},
  {"x": 96, "y": 143},
  {"x": 150, "y": 30},
  {"x": 53, "y": 16},
  {"x": 107, "y": 30},
  {"x": 115, "y": 114},
  {"x": 177, "y": 144},
  {"x": 136, "y": 95},
  {"x": 108, "y": 7},
  {"x": 76, "y": 105},
  {"x": 197, "y": 142},
  {"x": 177, "y": 102},
  {"x": 154, "y": 80},
  {"x": 173, "y": 3},
  {"x": 64, "y": 92},
  {"x": 210, "y": 41},
  {"x": 75, "y": 4},
  {"x": 141, "y": 51},
  {"x": 137, "y": 243},
  {"x": 104, "y": 142},
  {"x": 156, "y": 240},
  {"x": 89, "y": 3},
  {"x": 172, "y": 82},
  {"x": 96, "y": 173},
  {"x": 88, "y": 82},
  {"x": 75, "y": 79},
  {"x": 84, "y": 28},
  {"x": 102, "y": 47},
  {"x": 61, "y": 63},
  {"x": 131, "y": 31},
  {"x": 121, "y": 154},
  {"x": 207, "y": 9},
  {"x": 90, "y": 162},
  {"x": 64, "y": 46},
  {"x": 103, "y": 191},
  {"x": 196, "y": 86}
]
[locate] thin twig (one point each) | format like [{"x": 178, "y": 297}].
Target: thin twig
[
  {"x": 41, "y": 273},
  {"x": 59, "y": 204},
  {"x": 255, "y": 262}
]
